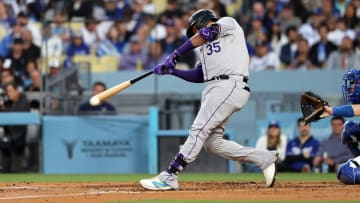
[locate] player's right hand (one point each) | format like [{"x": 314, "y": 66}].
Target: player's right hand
[
  {"x": 171, "y": 60},
  {"x": 161, "y": 69}
]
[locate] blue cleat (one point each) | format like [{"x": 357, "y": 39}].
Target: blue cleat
[{"x": 155, "y": 184}]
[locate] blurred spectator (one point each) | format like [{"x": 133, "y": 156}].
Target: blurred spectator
[
  {"x": 35, "y": 85},
  {"x": 288, "y": 50},
  {"x": 175, "y": 39},
  {"x": 111, "y": 45},
  {"x": 340, "y": 32},
  {"x": 6, "y": 19},
  {"x": 155, "y": 55},
  {"x": 343, "y": 58},
  {"x": 301, "y": 150},
  {"x": 134, "y": 59},
  {"x": 143, "y": 32},
  {"x": 53, "y": 84},
  {"x": 89, "y": 33},
  {"x": 124, "y": 34},
  {"x": 103, "y": 108},
  {"x": 23, "y": 20},
  {"x": 331, "y": 150},
  {"x": 113, "y": 11},
  {"x": 340, "y": 5},
  {"x": 328, "y": 10},
  {"x": 52, "y": 44},
  {"x": 31, "y": 51},
  {"x": 273, "y": 140},
  {"x": 256, "y": 29},
  {"x": 219, "y": 8},
  {"x": 34, "y": 9},
  {"x": 350, "y": 18},
  {"x": 13, "y": 143},
  {"x": 301, "y": 60},
  {"x": 157, "y": 30},
  {"x": 258, "y": 10},
  {"x": 331, "y": 23},
  {"x": 172, "y": 10},
  {"x": 137, "y": 15},
  {"x": 51, "y": 8},
  {"x": 7, "y": 73},
  {"x": 276, "y": 38},
  {"x": 301, "y": 11},
  {"x": 18, "y": 58},
  {"x": 321, "y": 50},
  {"x": 287, "y": 19},
  {"x": 270, "y": 15},
  {"x": 309, "y": 30},
  {"x": 149, "y": 7},
  {"x": 79, "y": 10},
  {"x": 264, "y": 59},
  {"x": 77, "y": 46},
  {"x": 61, "y": 30},
  {"x": 6, "y": 42},
  {"x": 31, "y": 65}
]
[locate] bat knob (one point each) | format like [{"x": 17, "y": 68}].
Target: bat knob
[{"x": 94, "y": 101}]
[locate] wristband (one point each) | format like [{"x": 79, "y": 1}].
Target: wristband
[{"x": 344, "y": 111}]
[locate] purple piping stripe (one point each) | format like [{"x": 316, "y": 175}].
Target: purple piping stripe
[
  {"x": 205, "y": 66},
  {"x": 210, "y": 119}
]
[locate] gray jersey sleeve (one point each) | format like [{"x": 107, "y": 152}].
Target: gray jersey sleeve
[{"x": 227, "y": 26}]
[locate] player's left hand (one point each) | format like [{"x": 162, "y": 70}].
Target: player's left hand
[
  {"x": 160, "y": 69},
  {"x": 327, "y": 112}
]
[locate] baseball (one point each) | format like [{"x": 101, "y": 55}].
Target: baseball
[{"x": 94, "y": 101}]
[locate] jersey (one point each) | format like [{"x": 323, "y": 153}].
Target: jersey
[
  {"x": 295, "y": 149},
  {"x": 228, "y": 54}
]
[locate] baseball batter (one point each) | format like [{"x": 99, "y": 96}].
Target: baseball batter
[
  {"x": 349, "y": 172},
  {"x": 224, "y": 68}
]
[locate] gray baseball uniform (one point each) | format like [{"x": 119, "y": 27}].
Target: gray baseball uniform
[{"x": 227, "y": 55}]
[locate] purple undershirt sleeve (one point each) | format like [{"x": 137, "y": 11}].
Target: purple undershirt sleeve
[
  {"x": 194, "y": 75},
  {"x": 187, "y": 46}
]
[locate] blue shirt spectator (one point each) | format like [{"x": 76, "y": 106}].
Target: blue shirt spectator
[
  {"x": 6, "y": 42},
  {"x": 6, "y": 20},
  {"x": 77, "y": 46},
  {"x": 301, "y": 150},
  {"x": 288, "y": 50},
  {"x": 113, "y": 11},
  {"x": 134, "y": 58},
  {"x": 103, "y": 108}
]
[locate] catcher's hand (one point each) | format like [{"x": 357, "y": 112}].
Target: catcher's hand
[{"x": 313, "y": 107}]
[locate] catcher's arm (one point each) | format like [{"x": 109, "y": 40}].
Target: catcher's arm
[{"x": 344, "y": 111}]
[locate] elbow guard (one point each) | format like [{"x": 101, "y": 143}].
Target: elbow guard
[{"x": 209, "y": 33}]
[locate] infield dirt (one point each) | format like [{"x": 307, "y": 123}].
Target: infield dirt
[{"x": 106, "y": 192}]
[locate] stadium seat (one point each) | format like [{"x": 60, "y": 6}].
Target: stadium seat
[
  {"x": 76, "y": 26},
  {"x": 108, "y": 64},
  {"x": 99, "y": 64}
]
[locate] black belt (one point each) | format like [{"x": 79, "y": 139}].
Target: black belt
[{"x": 226, "y": 77}]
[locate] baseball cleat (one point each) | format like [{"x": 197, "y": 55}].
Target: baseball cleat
[
  {"x": 155, "y": 184},
  {"x": 270, "y": 173}
]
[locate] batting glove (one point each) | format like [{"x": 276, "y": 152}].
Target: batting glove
[
  {"x": 161, "y": 69},
  {"x": 171, "y": 60}
]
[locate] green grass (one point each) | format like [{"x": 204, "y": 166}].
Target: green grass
[{"x": 182, "y": 177}]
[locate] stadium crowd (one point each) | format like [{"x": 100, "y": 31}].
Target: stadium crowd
[
  {"x": 40, "y": 39},
  {"x": 281, "y": 34}
]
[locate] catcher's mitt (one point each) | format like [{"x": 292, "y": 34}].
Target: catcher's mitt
[{"x": 312, "y": 106}]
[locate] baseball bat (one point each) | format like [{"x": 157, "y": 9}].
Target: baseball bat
[{"x": 96, "y": 99}]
